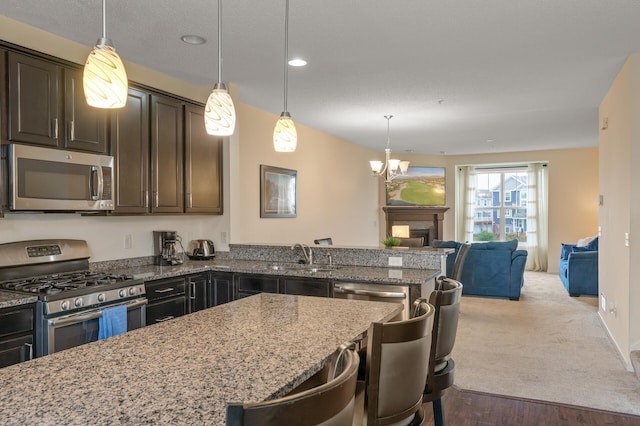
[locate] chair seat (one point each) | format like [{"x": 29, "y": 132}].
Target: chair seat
[{"x": 360, "y": 414}]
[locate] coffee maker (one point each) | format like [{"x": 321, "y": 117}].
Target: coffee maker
[{"x": 164, "y": 243}]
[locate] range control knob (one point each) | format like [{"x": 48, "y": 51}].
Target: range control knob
[
  {"x": 64, "y": 305},
  {"x": 122, "y": 293},
  {"x": 101, "y": 297},
  {"x": 132, "y": 291},
  {"x": 78, "y": 302}
]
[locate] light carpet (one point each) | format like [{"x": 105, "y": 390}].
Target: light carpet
[{"x": 547, "y": 346}]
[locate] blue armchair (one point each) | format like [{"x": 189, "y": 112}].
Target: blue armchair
[
  {"x": 579, "y": 268},
  {"x": 494, "y": 268}
]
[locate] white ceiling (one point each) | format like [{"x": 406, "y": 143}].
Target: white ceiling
[{"x": 459, "y": 76}]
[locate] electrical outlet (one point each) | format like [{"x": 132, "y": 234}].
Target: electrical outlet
[
  {"x": 603, "y": 303},
  {"x": 223, "y": 236},
  {"x": 395, "y": 273},
  {"x": 128, "y": 243},
  {"x": 395, "y": 261}
]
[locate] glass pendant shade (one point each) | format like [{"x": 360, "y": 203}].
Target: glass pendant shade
[
  {"x": 376, "y": 166},
  {"x": 285, "y": 137},
  {"x": 219, "y": 113},
  {"x": 104, "y": 78}
]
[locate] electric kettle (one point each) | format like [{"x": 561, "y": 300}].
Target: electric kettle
[{"x": 204, "y": 250}]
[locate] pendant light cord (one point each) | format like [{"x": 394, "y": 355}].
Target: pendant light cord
[
  {"x": 104, "y": 19},
  {"x": 286, "y": 52},
  {"x": 219, "y": 41}
]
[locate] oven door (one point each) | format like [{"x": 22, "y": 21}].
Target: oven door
[{"x": 79, "y": 328}]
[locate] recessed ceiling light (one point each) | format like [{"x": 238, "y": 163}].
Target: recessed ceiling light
[
  {"x": 193, "y": 39},
  {"x": 297, "y": 62}
]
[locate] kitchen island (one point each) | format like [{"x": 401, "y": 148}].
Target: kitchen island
[{"x": 187, "y": 370}]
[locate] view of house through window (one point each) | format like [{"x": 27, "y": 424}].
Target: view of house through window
[{"x": 500, "y": 211}]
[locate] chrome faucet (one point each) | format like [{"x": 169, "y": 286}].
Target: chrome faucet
[{"x": 306, "y": 251}]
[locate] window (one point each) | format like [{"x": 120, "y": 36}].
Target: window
[{"x": 500, "y": 217}]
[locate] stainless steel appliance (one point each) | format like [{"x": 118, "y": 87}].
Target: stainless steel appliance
[
  {"x": 45, "y": 179},
  {"x": 375, "y": 293},
  {"x": 203, "y": 250},
  {"x": 71, "y": 297},
  {"x": 164, "y": 246}
]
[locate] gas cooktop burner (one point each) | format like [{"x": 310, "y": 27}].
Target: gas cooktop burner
[{"x": 56, "y": 283}]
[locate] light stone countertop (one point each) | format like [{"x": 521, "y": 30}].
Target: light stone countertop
[
  {"x": 9, "y": 299},
  {"x": 185, "y": 371}
]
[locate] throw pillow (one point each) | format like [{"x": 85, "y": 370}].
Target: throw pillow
[
  {"x": 584, "y": 241},
  {"x": 566, "y": 250}
]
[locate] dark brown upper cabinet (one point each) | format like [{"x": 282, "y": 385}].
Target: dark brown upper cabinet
[
  {"x": 167, "y": 155},
  {"x": 130, "y": 149},
  {"x": 203, "y": 165},
  {"x": 46, "y": 106}
]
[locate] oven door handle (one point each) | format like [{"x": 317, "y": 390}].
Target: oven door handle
[
  {"x": 361, "y": 292},
  {"x": 72, "y": 319},
  {"x": 76, "y": 318}
]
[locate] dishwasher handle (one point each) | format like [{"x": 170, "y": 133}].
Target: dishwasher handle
[{"x": 371, "y": 293}]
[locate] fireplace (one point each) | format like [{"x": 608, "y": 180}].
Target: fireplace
[{"x": 421, "y": 221}]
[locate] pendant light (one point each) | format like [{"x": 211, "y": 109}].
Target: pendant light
[
  {"x": 104, "y": 78},
  {"x": 219, "y": 113},
  {"x": 391, "y": 168},
  {"x": 285, "y": 137}
]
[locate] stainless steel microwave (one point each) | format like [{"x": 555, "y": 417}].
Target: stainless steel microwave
[{"x": 45, "y": 179}]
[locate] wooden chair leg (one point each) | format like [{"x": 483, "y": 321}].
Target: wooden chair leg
[{"x": 438, "y": 416}]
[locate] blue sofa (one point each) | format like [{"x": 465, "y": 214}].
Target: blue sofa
[
  {"x": 579, "y": 268},
  {"x": 494, "y": 268}
]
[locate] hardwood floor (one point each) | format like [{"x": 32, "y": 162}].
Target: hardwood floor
[{"x": 467, "y": 408}]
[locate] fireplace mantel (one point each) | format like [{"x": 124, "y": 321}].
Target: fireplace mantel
[{"x": 419, "y": 218}]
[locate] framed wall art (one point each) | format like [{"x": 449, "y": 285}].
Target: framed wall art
[
  {"x": 421, "y": 186},
  {"x": 278, "y": 192}
]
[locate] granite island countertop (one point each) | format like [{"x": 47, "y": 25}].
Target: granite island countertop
[{"x": 185, "y": 371}]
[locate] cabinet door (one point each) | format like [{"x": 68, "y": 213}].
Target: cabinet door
[
  {"x": 85, "y": 126},
  {"x": 220, "y": 289},
  {"x": 306, "y": 287},
  {"x": 130, "y": 149},
  {"x": 198, "y": 285},
  {"x": 248, "y": 285},
  {"x": 33, "y": 100},
  {"x": 167, "y": 154},
  {"x": 16, "y": 350},
  {"x": 203, "y": 165}
]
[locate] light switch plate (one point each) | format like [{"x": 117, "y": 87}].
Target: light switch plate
[{"x": 395, "y": 261}]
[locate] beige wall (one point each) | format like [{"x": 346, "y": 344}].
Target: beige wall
[
  {"x": 619, "y": 151},
  {"x": 573, "y": 190},
  {"x": 337, "y": 197}
]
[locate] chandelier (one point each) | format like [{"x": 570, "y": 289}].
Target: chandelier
[{"x": 391, "y": 168}]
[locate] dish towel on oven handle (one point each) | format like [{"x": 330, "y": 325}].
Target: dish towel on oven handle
[{"x": 113, "y": 322}]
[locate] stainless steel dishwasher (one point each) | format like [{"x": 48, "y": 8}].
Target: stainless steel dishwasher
[{"x": 375, "y": 293}]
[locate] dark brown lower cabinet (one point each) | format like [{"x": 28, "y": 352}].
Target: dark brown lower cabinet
[
  {"x": 16, "y": 335},
  {"x": 167, "y": 299},
  {"x": 220, "y": 289},
  {"x": 306, "y": 287}
]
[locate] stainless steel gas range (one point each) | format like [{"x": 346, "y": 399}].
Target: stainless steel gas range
[{"x": 71, "y": 297}]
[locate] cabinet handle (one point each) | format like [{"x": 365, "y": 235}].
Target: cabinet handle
[
  {"x": 72, "y": 130},
  {"x": 164, "y": 290},
  {"x": 155, "y": 195},
  {"x": 30, "y": 348},
  {"x": 190, "y": 200},
  {"x": 146, "y": 199},
  {"x": 170, "y": 317},
  {"x": 54, "y": 127},
  {"x": 193, "y": 290}
]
